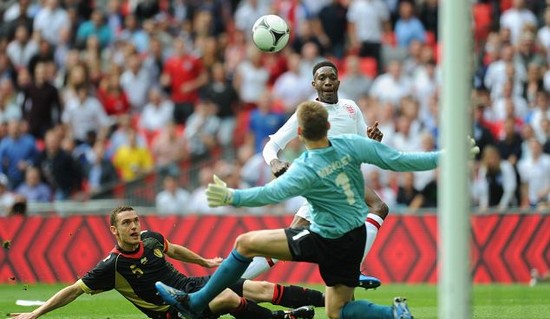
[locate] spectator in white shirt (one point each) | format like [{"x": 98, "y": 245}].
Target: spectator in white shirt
[
  {"x": 516, "y": 18},
  {"x": 495, "y": 183},
  {"x": 251, "y": 77},
  {"x": 423, "y": 178},
  {"x": 498, "y": 109},
  {"x": 535, "y": 176},
  {"x": 14, "y": 10},
  {"x": 541, "y": 111},
  {"x": 497, "y": 71},
  {"x": 158, "y": 112},
  {"x": 247, "y": 13},
  {"x": 172, "y": 199},
  {"x": 391, "y": 86},
  {"x": 50, "y": 20},
  {"x": 354, "y": 83},
  {"x": 292, "y": 87},
  {"x": 367, "y": 19},
  {"x": 22, "y": 48},
  {"x": 425, "y": 84},
  {"x": 85, "y": 113},
  {"x": 543, "y": 35},
  {"x": 404, "y": 139},
  {"x": 136, "y": 82}
]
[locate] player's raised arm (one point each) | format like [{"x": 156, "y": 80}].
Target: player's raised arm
[
  {"x": 60, "y": 299},
  {"x": 373, "y": 132},
  {"x": 186, "y": 255},
  {"x": 277, "y": 142}
]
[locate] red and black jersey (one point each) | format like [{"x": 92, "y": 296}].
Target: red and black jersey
[{"x": 133, "y": 274}]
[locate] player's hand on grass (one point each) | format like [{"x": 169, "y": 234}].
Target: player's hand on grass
[
  {"x": 26, "y": 315},
  {"x": 374, "y": 133},
  {"x": 218, "y": 194},
  {"x": 278, "y": 167}
]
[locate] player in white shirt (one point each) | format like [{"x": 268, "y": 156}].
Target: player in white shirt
[{"x": 345, "y": 117}]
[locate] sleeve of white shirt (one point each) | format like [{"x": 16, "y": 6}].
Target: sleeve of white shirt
[
  {"x": 66, "y": 115},
  {"x": 280, "y": 139},
  {"x": 361, "y": 124},
  {"x": 352, "y": 13},
  {"x": 102, "y": 116}
]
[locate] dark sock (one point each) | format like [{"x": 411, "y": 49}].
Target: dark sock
[
  {"x": 250, "y": 310},
  {"x": 294, "y": 297}
]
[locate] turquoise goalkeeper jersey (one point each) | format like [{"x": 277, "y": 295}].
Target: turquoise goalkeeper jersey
[{"x": 331, "y": 180}]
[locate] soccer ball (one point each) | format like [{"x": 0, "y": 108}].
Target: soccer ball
[{"x": 270, "y": 33}]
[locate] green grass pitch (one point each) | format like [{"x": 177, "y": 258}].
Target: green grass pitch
[{"x": 489, "y": 301}]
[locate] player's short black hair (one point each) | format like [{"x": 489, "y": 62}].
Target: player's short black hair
[
  {"x": 322, "y": 64},
  {"x": 116, "y": 211}
]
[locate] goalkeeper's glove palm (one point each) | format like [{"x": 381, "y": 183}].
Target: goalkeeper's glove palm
[
  {"x": 218, "y": 194},
  {"x": 474, "y": 149}
]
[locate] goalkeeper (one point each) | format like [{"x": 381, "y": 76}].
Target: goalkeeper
[{"x": 328, "y": 175}]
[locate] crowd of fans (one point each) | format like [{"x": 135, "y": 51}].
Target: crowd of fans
[{"x": 94, "y": 93}]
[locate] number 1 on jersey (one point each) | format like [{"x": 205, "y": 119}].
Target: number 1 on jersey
[{"x": 342, "y": 180}]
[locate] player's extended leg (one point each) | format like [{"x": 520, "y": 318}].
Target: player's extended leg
[
  {"x": 242, "y": 308},
  {"x": 262, "y": 264},
  {"x": 339, "y": 305},
  {"x": 255, "y": 243},
  {"x": 378, "y": 210},
  {"x": 365, "y": 309},
  {"x": 335, "y": 298},
  {"x": 286, "y": 296}
]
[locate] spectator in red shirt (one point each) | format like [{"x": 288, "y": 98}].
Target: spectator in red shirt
[
  {"x": 184, "y": 74},
  {"x": 114, "y": 99}
]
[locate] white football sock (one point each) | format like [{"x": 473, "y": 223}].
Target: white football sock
[
  {"x": 258, "y": 266},
  {"x": 374, "y": 222}
]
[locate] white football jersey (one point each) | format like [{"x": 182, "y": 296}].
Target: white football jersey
[{"x": 345, "y": 117}]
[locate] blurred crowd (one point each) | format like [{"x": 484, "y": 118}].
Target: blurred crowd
[{"x": 95, "y": 93}]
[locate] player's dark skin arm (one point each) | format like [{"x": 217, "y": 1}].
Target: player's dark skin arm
[{"x": 60, "y": 299}]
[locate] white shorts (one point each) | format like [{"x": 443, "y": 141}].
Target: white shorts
[{"x": 304, "y": 211}]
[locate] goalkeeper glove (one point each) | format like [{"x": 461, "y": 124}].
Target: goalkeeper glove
[
  {"x": 218, "y": 194},
  {"x": 474, "y": 149}
]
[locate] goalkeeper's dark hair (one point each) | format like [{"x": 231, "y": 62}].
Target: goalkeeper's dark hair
[
  {"x": 116, "y": 211},
  {"x": 323, "y": 64},
  {"x": 313, "y": 120}
]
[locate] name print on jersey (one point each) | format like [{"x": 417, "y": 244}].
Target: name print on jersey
[{"x": 327, "y": 170}]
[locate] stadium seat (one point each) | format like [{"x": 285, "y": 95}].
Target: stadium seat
[
  {"x": 482, "y": 20},
  {"x": 430, "y": 38},
  {"x": 241, "y": 127},
  {"x": 389, "y": 38},
  {"x": 505, "y": 5},
  {"x": 369, "y": 67}
]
